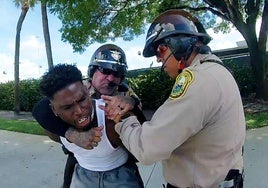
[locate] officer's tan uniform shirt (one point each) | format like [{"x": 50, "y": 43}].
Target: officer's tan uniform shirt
[{"x": 198, "y": 133}]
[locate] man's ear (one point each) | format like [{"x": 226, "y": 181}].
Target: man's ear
[{"x": 53, "y": 109}]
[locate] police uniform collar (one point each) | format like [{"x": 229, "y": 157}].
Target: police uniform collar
[
  {"x": 92, "y": 91},
  {"x": 198, "y": 58},
  {"x": 95, "y": 94}
]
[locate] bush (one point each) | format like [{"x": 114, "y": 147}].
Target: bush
[
  {"x": 243, "y": 74},
  {"x": 7, "y": 96},
  {"x": 153, "y": 92},
  {"x": 29, "y": 95},
  {"x": 152, "y": 88},
  {"x": 146, "y": 83}
]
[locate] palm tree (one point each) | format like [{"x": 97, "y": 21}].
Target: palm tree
[
  {"x": 25, "y": 4},
  {"x": 46, "y": 34}
]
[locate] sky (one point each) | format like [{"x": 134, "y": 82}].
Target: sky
[{"x": 33, "y": 61}]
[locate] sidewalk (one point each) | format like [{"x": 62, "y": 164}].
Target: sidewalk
[{"x": 31, "y": 161}]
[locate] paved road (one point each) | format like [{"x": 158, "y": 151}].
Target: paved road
[
  {"x": 31, "y": 161},
  {"x": 256, "y": 158}
]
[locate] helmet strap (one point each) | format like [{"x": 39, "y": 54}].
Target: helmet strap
[
  {"x": 181, "y": 46},
  {"x": 162, "y": 67},
  {"x": 190, "y": 48},
  {"x": 91, "y": 71}
]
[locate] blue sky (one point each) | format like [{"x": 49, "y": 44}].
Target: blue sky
[{"x": 32, "y": 48}]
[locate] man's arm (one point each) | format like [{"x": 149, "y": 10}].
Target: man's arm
[
  {"x": 137, "y": 110},
  {"x": 84, "y": 139},
  {"x": 53, "y": 136}
]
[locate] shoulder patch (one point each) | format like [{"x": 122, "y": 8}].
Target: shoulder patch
[{"x": 183, "y": 81}]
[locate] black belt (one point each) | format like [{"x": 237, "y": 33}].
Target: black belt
[
  {"x": 170, "y": 186},
  {"x": 234, "y": 179}
]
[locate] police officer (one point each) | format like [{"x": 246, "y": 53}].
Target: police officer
[
  {"x": 106, "y": 72},
  {"x": 199, "y": 131}
]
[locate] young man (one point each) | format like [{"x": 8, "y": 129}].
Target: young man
[
  {"x": 106, "y": 72},
  {"x": 200, "y": 129},
  {"x": 105, "y": 165}
]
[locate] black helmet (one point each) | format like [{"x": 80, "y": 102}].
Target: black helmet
[
  {"x": 171, "y": 23},
  {"x": 108, "y": 56}
]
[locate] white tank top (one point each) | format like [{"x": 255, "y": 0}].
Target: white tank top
[{"x": 103, "y": 157}]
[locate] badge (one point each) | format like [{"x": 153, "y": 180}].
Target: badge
[
  {"x": 116, "y": 55},
  {"x": 183, "y": 81}
]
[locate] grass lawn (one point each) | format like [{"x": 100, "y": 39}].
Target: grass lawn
[
  {"x": 22, "y": 126},
  {"x": 256, "y": 120}
]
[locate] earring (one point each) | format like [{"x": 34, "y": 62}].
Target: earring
[{"x": 181, "y": 65}]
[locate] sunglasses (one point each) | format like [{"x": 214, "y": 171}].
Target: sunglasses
[
  {"x": 159, "y": 50},
  {"x": 109, "y": 72}
]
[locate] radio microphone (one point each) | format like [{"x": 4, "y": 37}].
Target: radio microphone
[{"x": 112, "y": 84}]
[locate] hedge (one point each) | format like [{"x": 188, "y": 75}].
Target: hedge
[
  {"x": 29, "y": 95},
  {"x": 152, "y": 88}
]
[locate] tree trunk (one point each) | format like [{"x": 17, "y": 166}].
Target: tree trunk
[
  {"x": 262, "y": 45},
  {"x": 24, "y": 10},
  {"x": 257, "y": 60},
  {"x": 257, "y": 51},
  {"x": 46, "y": 35}
]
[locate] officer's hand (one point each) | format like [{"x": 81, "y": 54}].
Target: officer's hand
[
  {"x": 117, "y": 105},
  {"x": 85, "y": 139}
]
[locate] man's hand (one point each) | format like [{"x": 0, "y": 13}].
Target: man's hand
[
  {"x": 117, "y": 105},
  {"x": 85, "y": 139}
]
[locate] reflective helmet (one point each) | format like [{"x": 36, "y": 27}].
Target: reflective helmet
[
  {"x": 108, "y": 56},
  {"x": 172, "y": 23}
]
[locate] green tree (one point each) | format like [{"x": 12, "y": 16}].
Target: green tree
[
  {"x": 243, "y": 15},
  {"x": 89, "y": 21}
]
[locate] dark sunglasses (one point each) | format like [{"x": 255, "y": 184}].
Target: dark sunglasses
[
  {"x": 109, "y": 72},
  {"x": 159, "y": 53}
]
